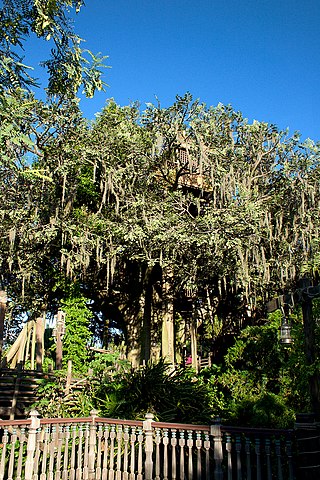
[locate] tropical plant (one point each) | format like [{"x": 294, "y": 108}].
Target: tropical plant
[{"x": 170, "y": 395}]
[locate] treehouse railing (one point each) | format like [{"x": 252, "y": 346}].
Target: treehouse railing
[{"x": 109, "y": 449}]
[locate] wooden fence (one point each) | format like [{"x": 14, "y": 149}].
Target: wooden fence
[{"x": 108, "y": 449}]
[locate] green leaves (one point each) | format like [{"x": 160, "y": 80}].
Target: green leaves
[
  {"x": 68, "y": 67},
  {"x": 175, "y": 396}
]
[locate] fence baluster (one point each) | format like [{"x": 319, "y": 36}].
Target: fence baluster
[
  {"x": 140, "y": 440},
  {"x": 278, "y": 454},
  {"x": 289, "y": 456},
  {"x": 111, "y": 457},
  {"x": 268, "y": 458},
  {"x": 190, "y": 459},
  {"x": 173, "y": 454},
  {"x": 182, "y": 442},
  {"x": 51, "y": 450},
  {"x": 79, "y": 453},
  {"x": 238, "y": 451},
  {"x": 157, "y": 442},
  {"x": 60, "y": 434},
  {"x": 22, "y": 439},
  {"x": 73, "y": 453},
  {"x": 258, "y": 458},
  {"x": 248, "y": 457},
  {"x": 206, "y": 445},
  {"x": 133, "y": 438},
  {"x": 85, "y": 472},
  {"x": 199, "y": 446},
  {"x": 125, "y": 453},
  {"x": 228, "y": 449},
  {"x": 99, "y": 451},
  {"x": 119, "y": 444},
  {"x": 105, "y": 453},
  {"x": 37, "y": 454},
  {"x": 4, "y": 451},
  {"x": 66, "y": 452},
  {"x": 43, "y": 474},
  {"x": 12, "y": 453},
  {"x": 165, "y": 441}
]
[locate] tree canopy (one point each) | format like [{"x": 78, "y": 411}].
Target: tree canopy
[{"x": 167, "y": 219}]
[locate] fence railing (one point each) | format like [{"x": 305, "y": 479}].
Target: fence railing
[{"x": 109, "y": 449}]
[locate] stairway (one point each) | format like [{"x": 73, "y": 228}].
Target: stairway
[{"x": 17, "y": 392}]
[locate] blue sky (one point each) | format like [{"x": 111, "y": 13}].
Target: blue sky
[{"x": 260, "y": 56}]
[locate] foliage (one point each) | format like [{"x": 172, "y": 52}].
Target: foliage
[
  {"x": 53, "y": 401},
  {"x": 77, "y": 337},
  {"x": 68, "y": 67},
  {"x": 261, "y": 382},
  {"x": 188, "y": 206},
  {"x": 171, "y": 396},
  {"x": 267, "y": 410},
  {"x": 109, "y": 366}
]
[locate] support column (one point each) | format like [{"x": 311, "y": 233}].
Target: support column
[
  {"x": 215, "y": 432},
  {"x": 92, "y": 445},
  {"x": 147, "y": 427},
  {"x": 31, "y": 445}
]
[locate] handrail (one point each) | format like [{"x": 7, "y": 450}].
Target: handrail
[{"x": 256, "y": 430}]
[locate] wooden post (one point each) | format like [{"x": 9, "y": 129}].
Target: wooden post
[
  {"x": 148, "y": 465},
  {"x": 194, "y": 348},
  {"x": 69, "y": 377},
  {"x": 3, "y": 307},
  {"x": 31, "y": 445},
  {"x": 215, "y": 432},
  {"x": 39, "y": 342},
  {"x": 60, "y": 327}
]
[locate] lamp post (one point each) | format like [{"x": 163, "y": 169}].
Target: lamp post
[{"x": 58, "y": 334}]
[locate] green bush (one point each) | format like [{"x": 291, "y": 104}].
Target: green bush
[
  {"x": 268, "y": 410},
  {"x": 176, "y": 396}
]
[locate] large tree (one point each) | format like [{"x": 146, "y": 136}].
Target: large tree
[{"x": 175, "y": 221}]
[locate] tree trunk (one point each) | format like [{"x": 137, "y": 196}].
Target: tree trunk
[
  {"x": 168, "y": 350},
  {"x": 147, "y": 313},
  {"x": 133, "y": 340},
  {"x": 3, "y": 306}
]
